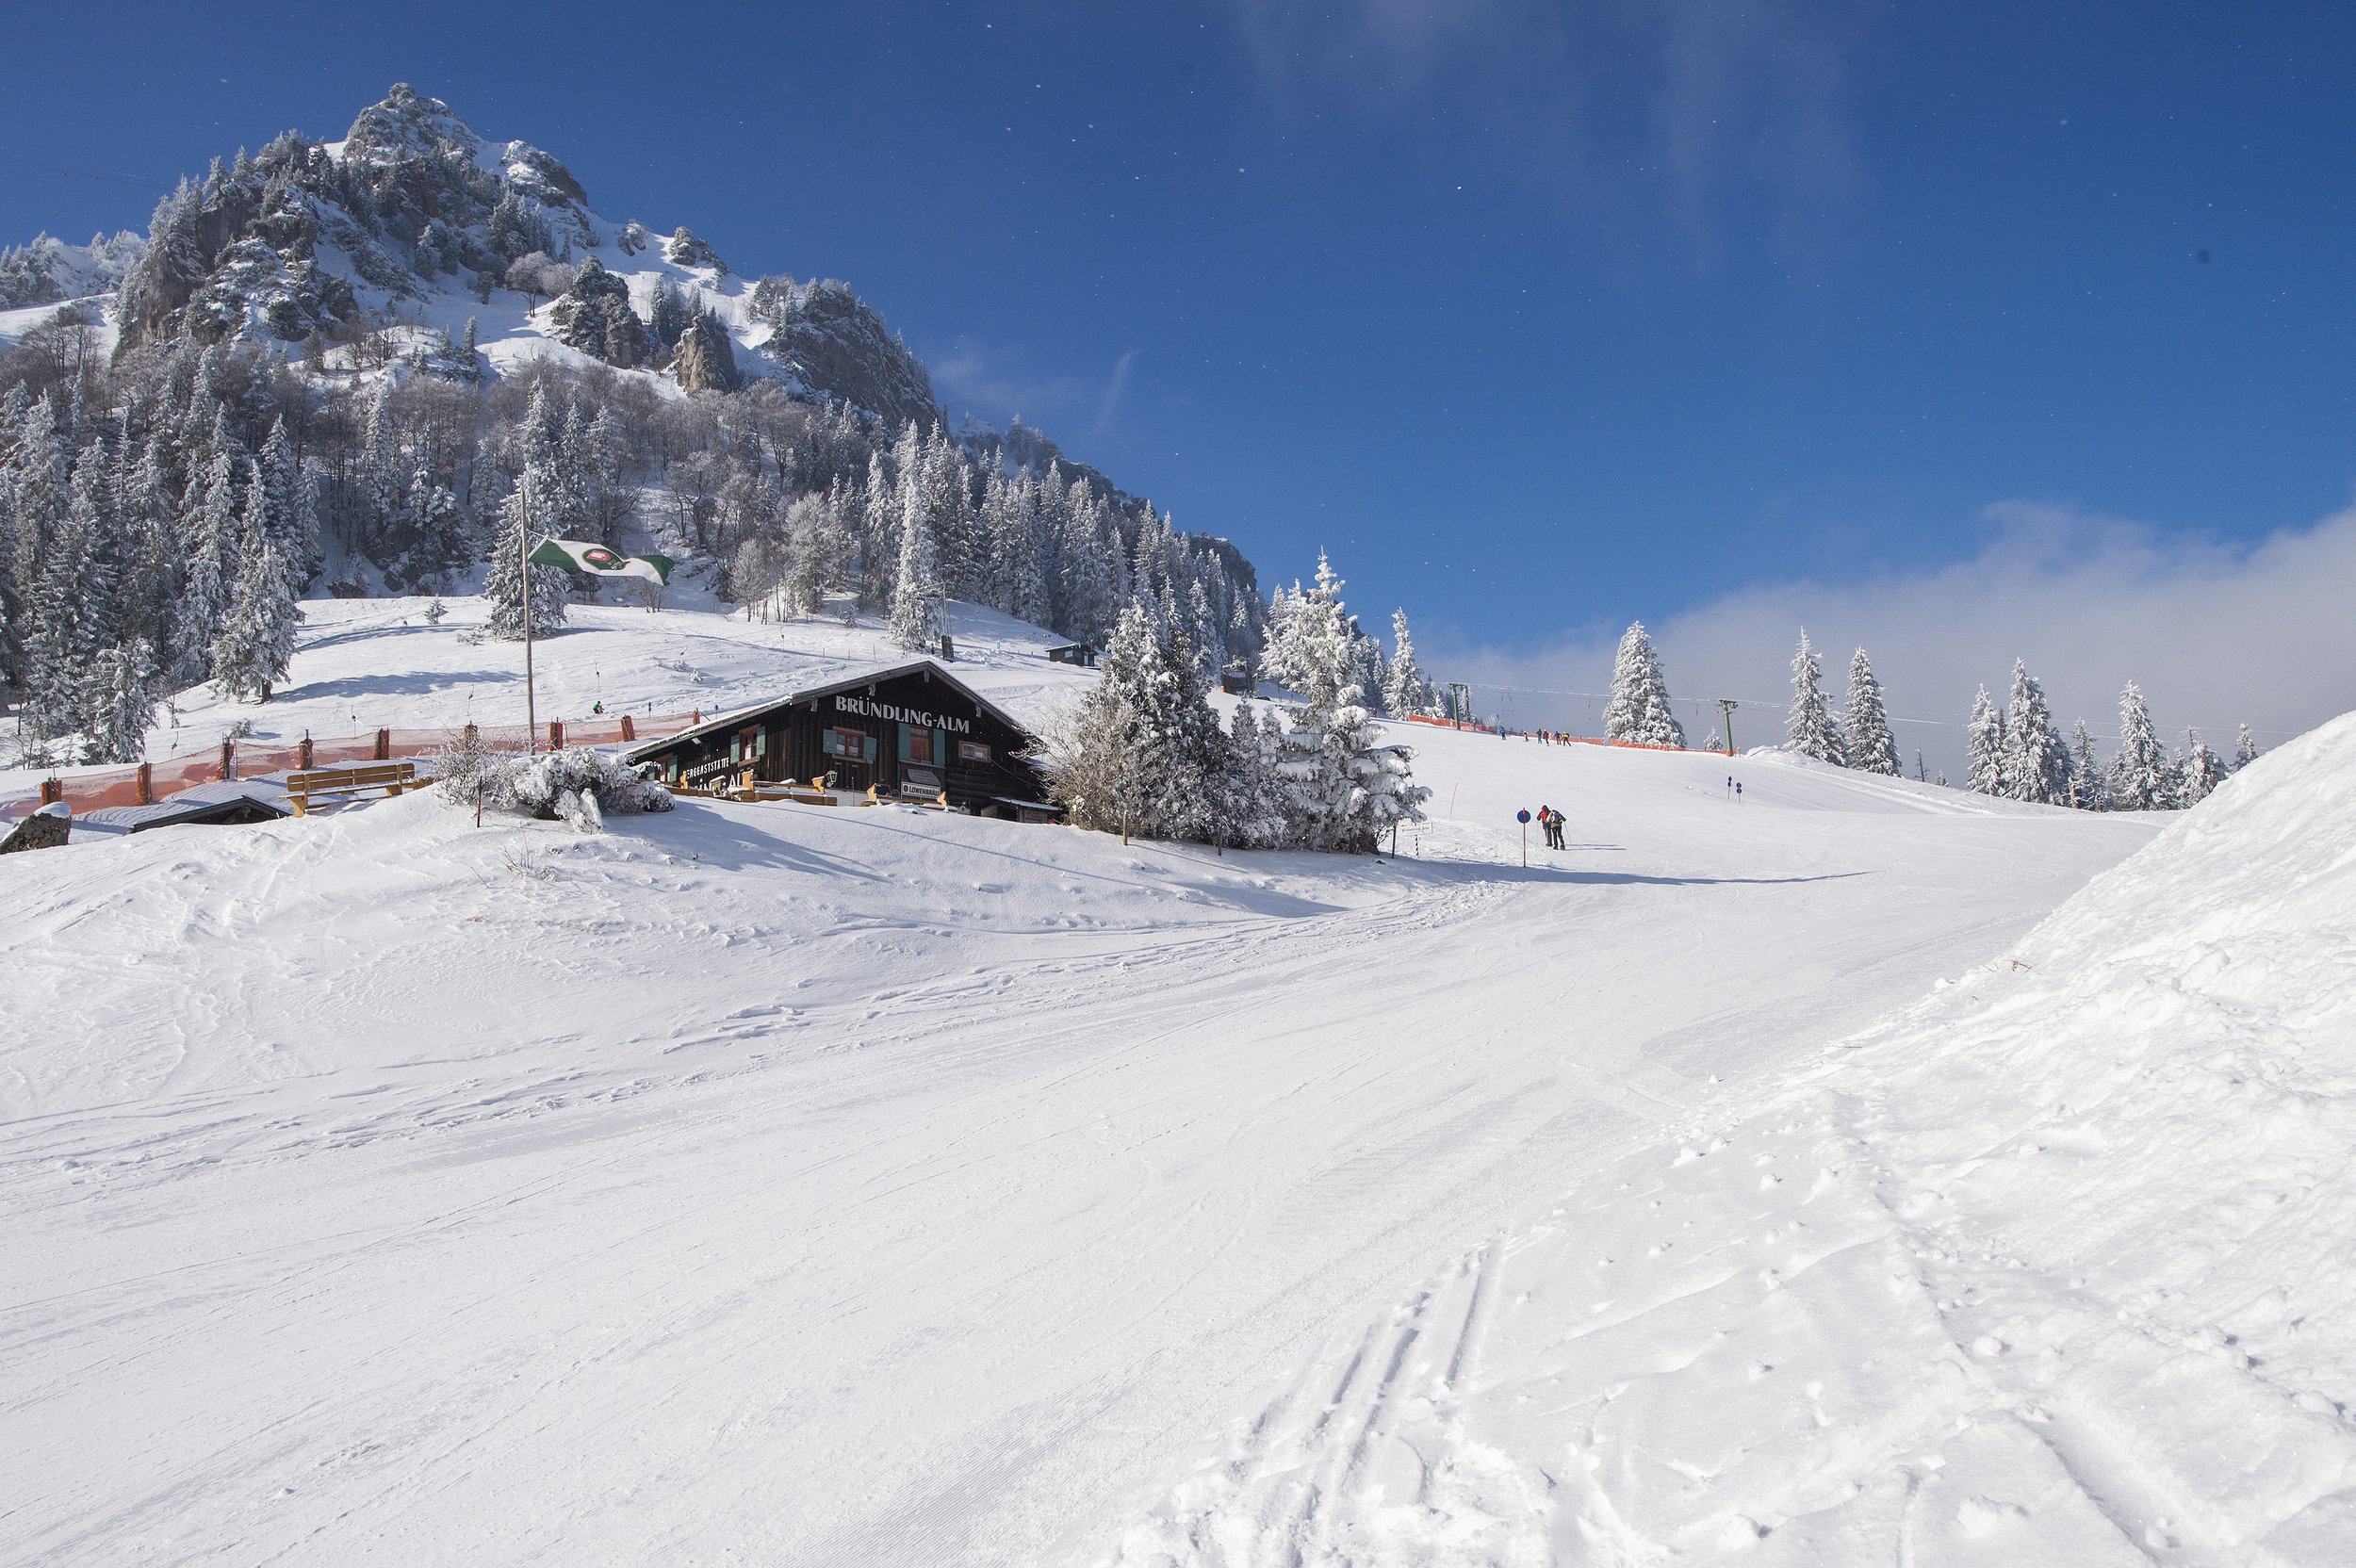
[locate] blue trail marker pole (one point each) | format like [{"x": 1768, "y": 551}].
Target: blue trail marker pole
[{"x": 1524, "y": 817}]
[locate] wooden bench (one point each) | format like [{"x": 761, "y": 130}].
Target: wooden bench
[{"x": 339, "y": 783}]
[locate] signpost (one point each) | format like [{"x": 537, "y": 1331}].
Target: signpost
[{"x": 1522, "y": 817}]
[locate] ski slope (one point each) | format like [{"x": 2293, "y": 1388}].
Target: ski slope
[
  {"x": 769, "y": 1184},
  {"x": 2050, "y": 1267}
]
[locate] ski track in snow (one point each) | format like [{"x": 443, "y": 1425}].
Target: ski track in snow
[{"x": 761, "y": 1184}]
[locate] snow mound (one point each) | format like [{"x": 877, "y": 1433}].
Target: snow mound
[{"x": 2050, "y": 1267}]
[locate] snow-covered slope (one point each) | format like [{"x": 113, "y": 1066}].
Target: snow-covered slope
[
  {"x": 856, "y": 1186},
  {"x": 364, "y": 664},
  {"x": 2053, "y": 1268}
]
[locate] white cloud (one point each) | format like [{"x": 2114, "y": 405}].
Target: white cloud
[
  {"x": 1109, "y": 404},
  {"x": 2216, "y": 634}
]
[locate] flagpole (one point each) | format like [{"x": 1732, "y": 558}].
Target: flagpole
[{"x": 523, "y": 555}]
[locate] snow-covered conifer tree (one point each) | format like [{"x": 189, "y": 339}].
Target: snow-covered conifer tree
[
  {"x": 69, "y": 614},
  {"x": 1311, "y": 649},
  {"x": 2201, "y": 771},
  {"x": 33, "y": 501},
  {"x": 1871, "y": 747},
  {"x": 2245, "y": 749},
  {"x": 879, "y": 536},
  {"x": 2090, "y": 788},
  {"x": 1409, "y": 691},
  {"x": 119, "y": 703},
  {"x": 257, "y": 642},
  {"x": 291, "y": 513},
  {"x": 916, "y": 582},
  {"x": 2139, "y": 773},
  {"x": 2037, "y": 763},
  {"x": 504, "y": 587},
  {"x": 1348, "y": 787},
  {"x": 1639, "y": 710},
  {"x": 1253, "y": 807},
  {"x": 1813, "y": 730},
  {"x": 544, "y": 501},
  {"x": 1986, "y": 748}
]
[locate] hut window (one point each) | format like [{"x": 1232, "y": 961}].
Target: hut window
[
  {"x": 972, "y": 751},
  {"x": 854, "y": 745}
]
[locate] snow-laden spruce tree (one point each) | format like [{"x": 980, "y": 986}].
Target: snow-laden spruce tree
[
  {"x": 2090, "y": 788},
  {"x": 2200, "y": 772},
  {"x": 2139, "y": 773},
  {"x": 2036, "y": 764},
  {"x": 1144, "y": 753},
  {"x": 293, "y": 519},
  {"x": 539, "y": 507},
  {"x": 917, "y": 580},
  {"x": 1311, "y": 646},
  {"x": 1986, "y": 748},
  {"x": 257, "y": 642},
  {"x": 1871, "y": 747},
  {"x": 1181, "y": 750},
  {"x": 2245, "y": 749},
  {"x": 1350, "y": 787},
  {"x": 119, "y": 703},
  {"x": 208, "y": 532},
  {"x": 1410, "y": 689},
  {"x": 504, "y": 588},
  {"x": 1639, "y": 711},
  {"x": 1813, "y": 730},
  {"x": 69, "y": 613},
  {"x": 1256, "y": 788}
]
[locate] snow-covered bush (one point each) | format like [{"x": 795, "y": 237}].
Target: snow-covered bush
[
  {"x": 579, "y": 786},
  {"x": 465, "y": 769}
]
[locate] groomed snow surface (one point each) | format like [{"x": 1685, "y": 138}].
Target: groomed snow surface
[{"x": 778, "y": 1185}]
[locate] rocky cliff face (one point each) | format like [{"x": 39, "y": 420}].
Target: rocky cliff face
[
  {"x": 832, "y": 345},
  {"x": 325, "y": 238},
  {"x": 705, "y": 360},
  {"x": 594, "y": 316}
]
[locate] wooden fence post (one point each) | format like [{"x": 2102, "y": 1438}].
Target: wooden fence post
[
  {"x": 383, "y": 745},
  {"x": 629, "y": 732},
  {"x": 147, "y": 783},
  {"x": 305, "y": 753},
  {"x": 556, "y": 734},
  {"x": 228, "y": 757},
  {"x": 52, "y": 790},
  {"x": 473, "y": 735}
]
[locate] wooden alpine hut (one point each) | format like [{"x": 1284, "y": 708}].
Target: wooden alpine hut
[{"x": 909, "y": 732}]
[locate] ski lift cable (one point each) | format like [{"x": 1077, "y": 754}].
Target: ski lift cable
[
  {"x": 1778, "y": 704},
  {"x": 12, "y": 155}
]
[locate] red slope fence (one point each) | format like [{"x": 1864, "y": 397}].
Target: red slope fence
[{"x": 144, "y": 783}]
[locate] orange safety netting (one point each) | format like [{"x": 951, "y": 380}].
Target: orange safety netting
[
  {"x": 253, "y": 761},
  {"x": 177, "y": 774},
  {"x": 356, "y": 748},
  {"x": 90, "y": 791}
]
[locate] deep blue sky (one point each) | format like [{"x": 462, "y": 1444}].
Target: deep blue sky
[{"x": 1539, "y": 317}]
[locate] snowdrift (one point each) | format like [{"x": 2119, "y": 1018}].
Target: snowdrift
[{"x": 2051, "y": 1267}]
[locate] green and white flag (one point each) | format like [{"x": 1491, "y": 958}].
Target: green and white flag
[{"x": 577, "y": 555}]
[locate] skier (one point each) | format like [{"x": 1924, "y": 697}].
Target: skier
[{"x": 1554, "y": 827}]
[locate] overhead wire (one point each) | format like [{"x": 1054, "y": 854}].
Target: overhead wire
[{"x": 12, "y": 155}]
